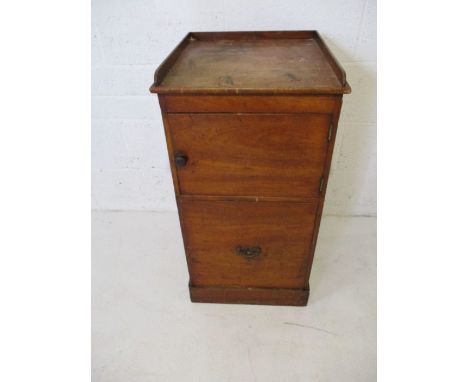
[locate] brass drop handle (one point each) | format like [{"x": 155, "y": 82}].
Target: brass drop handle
[
  {"x": 248, "y": 252},
  {"x": 181, "y": 160}
]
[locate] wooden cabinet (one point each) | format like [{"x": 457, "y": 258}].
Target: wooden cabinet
[{"x": 250, "y": 121}]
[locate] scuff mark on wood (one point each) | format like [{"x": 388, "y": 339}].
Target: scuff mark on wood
[
  {"x": 225, "y": 81},
  {"x": 292, "y": 77}
]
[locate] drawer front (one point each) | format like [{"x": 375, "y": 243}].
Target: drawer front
[
  {"x": 250, "y": 154},
  {"x": 248, "y": 244},
  {"x": 249, "y": 104}
]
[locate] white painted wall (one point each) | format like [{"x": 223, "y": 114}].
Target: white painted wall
[{"x": 130, "y": 169}]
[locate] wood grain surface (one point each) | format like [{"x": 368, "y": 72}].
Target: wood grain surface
[
  {"x": 250, "y": 120},
  {"x": 251, "y": 62},
  {"x": 258, "y": 296},
  {"x": 251, "y": 154},
  {"x": 214, "y": 229},
  {"x": 249, "y": 104}
]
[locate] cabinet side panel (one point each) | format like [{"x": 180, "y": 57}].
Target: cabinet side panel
[
  {"x": 318, "y": 218},
  {"x": 175, "y": 181},
  {"x": 169, "y": 144}
]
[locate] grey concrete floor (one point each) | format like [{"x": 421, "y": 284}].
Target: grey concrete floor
[{"x": 144, "y": 327}]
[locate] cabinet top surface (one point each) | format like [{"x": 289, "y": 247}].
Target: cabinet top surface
[{"x": 251, "y": 62}]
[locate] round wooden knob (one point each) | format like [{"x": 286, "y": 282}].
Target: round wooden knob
[{"x": 181, "y": 160}]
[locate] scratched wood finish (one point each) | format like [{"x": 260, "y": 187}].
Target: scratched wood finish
[
  {"x": 282, "y": 230},
  {"x": 251, "y": 154},
  {"x": 243, "y": 63},
  {"x": 250, "y": 120}
]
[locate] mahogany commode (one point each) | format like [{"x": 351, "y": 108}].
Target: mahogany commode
[{"x": 250, "y": 120}]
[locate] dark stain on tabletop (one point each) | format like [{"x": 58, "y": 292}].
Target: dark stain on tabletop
[
  {"x": 225, "y": 81},
  {"x": 292, "y": 77}
]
